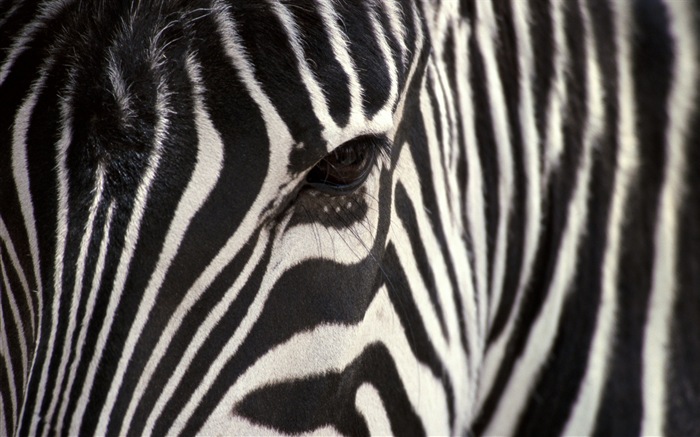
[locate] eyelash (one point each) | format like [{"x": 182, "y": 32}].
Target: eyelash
[{"x": 346, "y": 168}]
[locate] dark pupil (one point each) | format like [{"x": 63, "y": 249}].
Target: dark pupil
[
  {"x": 346, "y": 165},
  {"x": 347, "y": 156}
]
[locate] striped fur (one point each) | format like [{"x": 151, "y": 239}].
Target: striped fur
[{"x": 522, "y": 260}]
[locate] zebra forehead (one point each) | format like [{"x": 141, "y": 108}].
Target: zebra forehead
[{"x": 326, "y": 67}]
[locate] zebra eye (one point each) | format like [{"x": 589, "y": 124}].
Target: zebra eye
[{"x": 346, "y": 168}]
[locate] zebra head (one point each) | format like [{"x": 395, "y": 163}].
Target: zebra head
[
  {"x": 240, "y": 216},
  {"x": 326, "y": 216}
]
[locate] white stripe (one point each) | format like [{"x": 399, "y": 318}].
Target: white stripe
[
  {"x": 441, "y": 153},
  {"x": 408, "y": 175},
  {"x": 457, "y": 255},
  {"x": 558, "y": 96},
  {"x": 235, "y": 341},
  {"x": 294, "y": 248},
  {"x": 472, "y": 275},
  {"x": 450, "y": 213},
  {"x": 399, "y": 111},
  {"x": 397, "y": 26},
  {"x": 681, "y": 104},
  {"x": 419, "y": 291},
  {"x": 120, "y": 89},
  {"x": 357, "y": 125},
  {"x": 209, "y": 162},
  {"x": 277, "y": 131},
  {"x": 290, "y": 248},
  {"x": 533, "y": 200},
  {"x": 244, "y": 427},
  {"x": 22, "y": 340},
  {"x": 485, "y": 32}
]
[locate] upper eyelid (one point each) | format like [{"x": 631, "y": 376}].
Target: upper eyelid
[
  {"x": 380, "y": 141},
  {"x": 380, "y": 150}
]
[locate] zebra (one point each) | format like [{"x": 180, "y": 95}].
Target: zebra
[{"x": 331, "y": 217}]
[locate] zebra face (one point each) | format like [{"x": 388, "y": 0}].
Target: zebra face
[
  {"x": 214, "y": 205},
  {"x": 326, "y": 216}
]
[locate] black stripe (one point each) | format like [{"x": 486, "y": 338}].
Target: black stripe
[
  {"x": 97, "y": 317},
  {"x": 179, "y": 156},
  {"x": 542, "y": 40},
  {"x": 310, "y": 403},
  {"x": 13, "y": 90},
  {"x": 412, "y": 42},
  {"x": 450, "y": 62}
]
